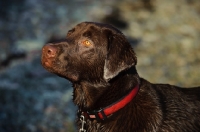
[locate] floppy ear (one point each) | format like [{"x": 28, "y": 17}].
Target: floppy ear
[{"x": 120, "y": 56}]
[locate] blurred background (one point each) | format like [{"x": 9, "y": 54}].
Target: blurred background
[{"x": 165, "y": 35}]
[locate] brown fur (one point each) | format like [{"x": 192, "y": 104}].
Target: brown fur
[{"x": 103, "y": 72}]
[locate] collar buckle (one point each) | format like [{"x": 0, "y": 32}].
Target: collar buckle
[{"x": 97, "y": 114}]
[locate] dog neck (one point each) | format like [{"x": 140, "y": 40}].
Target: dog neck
[
  {"x": 104, "y": 113},
  {"x": 118, "y": 88},
  {"x": 90, "y": 96}
]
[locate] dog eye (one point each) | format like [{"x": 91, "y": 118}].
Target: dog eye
[{"x": 86, "y": 43}]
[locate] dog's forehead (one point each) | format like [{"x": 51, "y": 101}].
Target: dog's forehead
[
  {"x": 85, "y": 26},
  {"x": 91, "y": 30},
  {"x": 80, "y": 28},
  {"x": 95, "y": 26}
]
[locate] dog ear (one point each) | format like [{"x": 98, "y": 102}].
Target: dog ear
[{"x": 120, "y": 56}]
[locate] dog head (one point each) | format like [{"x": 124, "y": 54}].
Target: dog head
[{"x": 91, "y": 52}]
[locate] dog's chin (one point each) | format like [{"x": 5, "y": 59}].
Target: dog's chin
[{"x": 70, "y": 77}]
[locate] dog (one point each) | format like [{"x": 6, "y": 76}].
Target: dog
[{"x": 111, "y": 97}]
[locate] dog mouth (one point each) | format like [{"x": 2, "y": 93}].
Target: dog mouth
[
  {"x": 50, "y": 65},
  {"x": 46, "y": 62}
]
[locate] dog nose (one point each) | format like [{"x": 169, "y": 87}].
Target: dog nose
[{"x": 49, "y": 51}]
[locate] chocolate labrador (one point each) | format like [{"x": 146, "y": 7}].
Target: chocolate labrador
[{"x": 110, "y": 95}]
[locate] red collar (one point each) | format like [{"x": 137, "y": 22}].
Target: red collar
[{"x": 103, "y": 113}]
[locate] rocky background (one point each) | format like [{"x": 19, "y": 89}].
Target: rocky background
[{"x": 165, "y": 35}]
